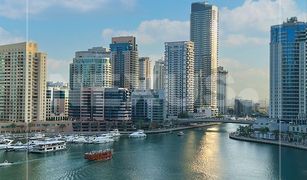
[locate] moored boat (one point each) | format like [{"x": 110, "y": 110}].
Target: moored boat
[
  {"x": 114, "y": 133},
  {"x": 138, "y": 134},
  {"x": 98, "y": 155},
  {"x": 48, "y": 146},
  {"x": 5, "y": 163}
]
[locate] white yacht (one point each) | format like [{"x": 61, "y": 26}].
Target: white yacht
[
  {"x": 114, "y": 133},
  {"x": 79, "y": 139},
  {"x": 48, "y": 146},
  {"x": 37, "y": 136},
  {"x": 102, "y": 140},
  {"x": 138, "y": 134},
  {"x": 180, "y": 133},
  {"x": 4, "y": 143},
  {"x": 19, "y": 146},
  {"x": 5, "y": 163}
]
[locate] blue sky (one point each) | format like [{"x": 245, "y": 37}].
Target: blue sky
[{"x": 61, "y": 27}]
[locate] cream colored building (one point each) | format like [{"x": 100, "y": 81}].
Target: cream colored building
[
  {"x": 22, "y": 83},
  {"x": 145, "y": 74}
]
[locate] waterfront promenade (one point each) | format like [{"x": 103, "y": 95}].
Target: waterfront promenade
[{"x": 278, "y": 143}]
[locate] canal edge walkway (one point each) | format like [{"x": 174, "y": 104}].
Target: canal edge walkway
[{"x": 278, "y": 143}]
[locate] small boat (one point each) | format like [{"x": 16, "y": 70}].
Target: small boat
[
  {"x": 98, "y": 155},
  {"x": 37, "y": 136},
  {"x": 19, "y": 146},
  {"x": 138, "y": 134},
  {"x": 4, "y": 143},
  {"x": 180, "y": 133},
  {"x": 48, "y": 146},
  {"x": 5, "y": 163},
  {"x": 114, "y": 133}
]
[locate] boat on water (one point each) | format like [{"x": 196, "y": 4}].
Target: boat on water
[
  {"x": 37, "y": 136},
  {"x": 101, "y": 155},
  {"x": 4, "y": 143},
  {"x": 114, "y": 133},
  {"x": 19, "y": 146},
  {"x": 180, "y": 133},
  {"x": 138, "y": 134},
  {"x": 48, "y": 146},
  {"x": 5, "y": 163},
  {"x": 79, "y": 139},
  {"x": 103, "y": 139}
]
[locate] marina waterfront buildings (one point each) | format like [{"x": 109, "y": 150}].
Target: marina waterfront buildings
[
  {"x": 93, "y": 102},
  {"x": 125, "y": 62},
  {"x": 222, "y": 90},
  {"x": 179, "y": 85},
  {"x": 145, "y": 74},
  {"x": 159, "y": 75},
  {"x": 57, "y": 103},
  {"x": 91, "y": 68},
  {"x": 204, "y": 33},
  {"x": 101, "y": 108},
  {"x": 243, "y": 107},
  {"x": 288, "y": 100},
  {"x": 148, "y": 106},
  {"x": 22, "y": 83}
]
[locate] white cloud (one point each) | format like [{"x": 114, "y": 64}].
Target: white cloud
[
  {"x": 58, "y": 69},
  {"x": 251, "y": 22},
  {"x": 153, "y": 31},
  {"x": 8, "y": 38},
  {"x": 240, "y": 39},
  {"x": 246, "y": 81},
  {"x": 17, "y": 8}
]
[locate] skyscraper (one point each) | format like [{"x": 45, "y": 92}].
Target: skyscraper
[
  {"x": 145, "y": 74},
  {"x": 179, "y": 68},
  {"x": 22, "y": 83},
  {"x": 288, "y": 100},
  {"x": 158, "y": 75},
  {"x": 204, "y": 34},
  {"x": 221, "y": 90},
  {"x": 57, "y": 102},
  {"x": 125, "y": 63},
  {"x": 91, "y": 68}
]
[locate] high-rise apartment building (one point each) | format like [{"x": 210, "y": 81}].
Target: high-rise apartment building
[
  {"x": 288, "y": 56},
  {"x": 145, "y": 74},
  {"x": 93, "y": 103},
  {"x": 159, "y": 75},
  {"x": 125, "y": 62},
  {"x": 204, "y": 34},
  {"x": 179, "y": 86},
  {"x": 101, "y": 109},
  {"x": 243, "y": 107},
  {"x": 221, "y": 90},
  {"x": 22, "y": 83},
  {"x": 148, "y": 106},
  {"x": 57, "y": 102},
  {"x": 91, "y": 68}
]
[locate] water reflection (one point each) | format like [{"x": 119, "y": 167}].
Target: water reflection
[{"x": 199, "y": 154}]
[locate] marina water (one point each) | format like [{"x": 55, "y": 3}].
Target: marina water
[{"x": 204, "y": 153}]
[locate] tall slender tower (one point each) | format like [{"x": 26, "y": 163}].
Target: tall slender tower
[
  {"x": 179, "y": 86},
  {"x": 159, "y": 75},
  {"x": 125, "y": 62},
  {"x": 204, "y": 34},
  {"x": 288, "y": 56},
  {"x": 221, "y": 90},
  {"x": 22, "y": 83},
  {"x": 145, "y": 74}
]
